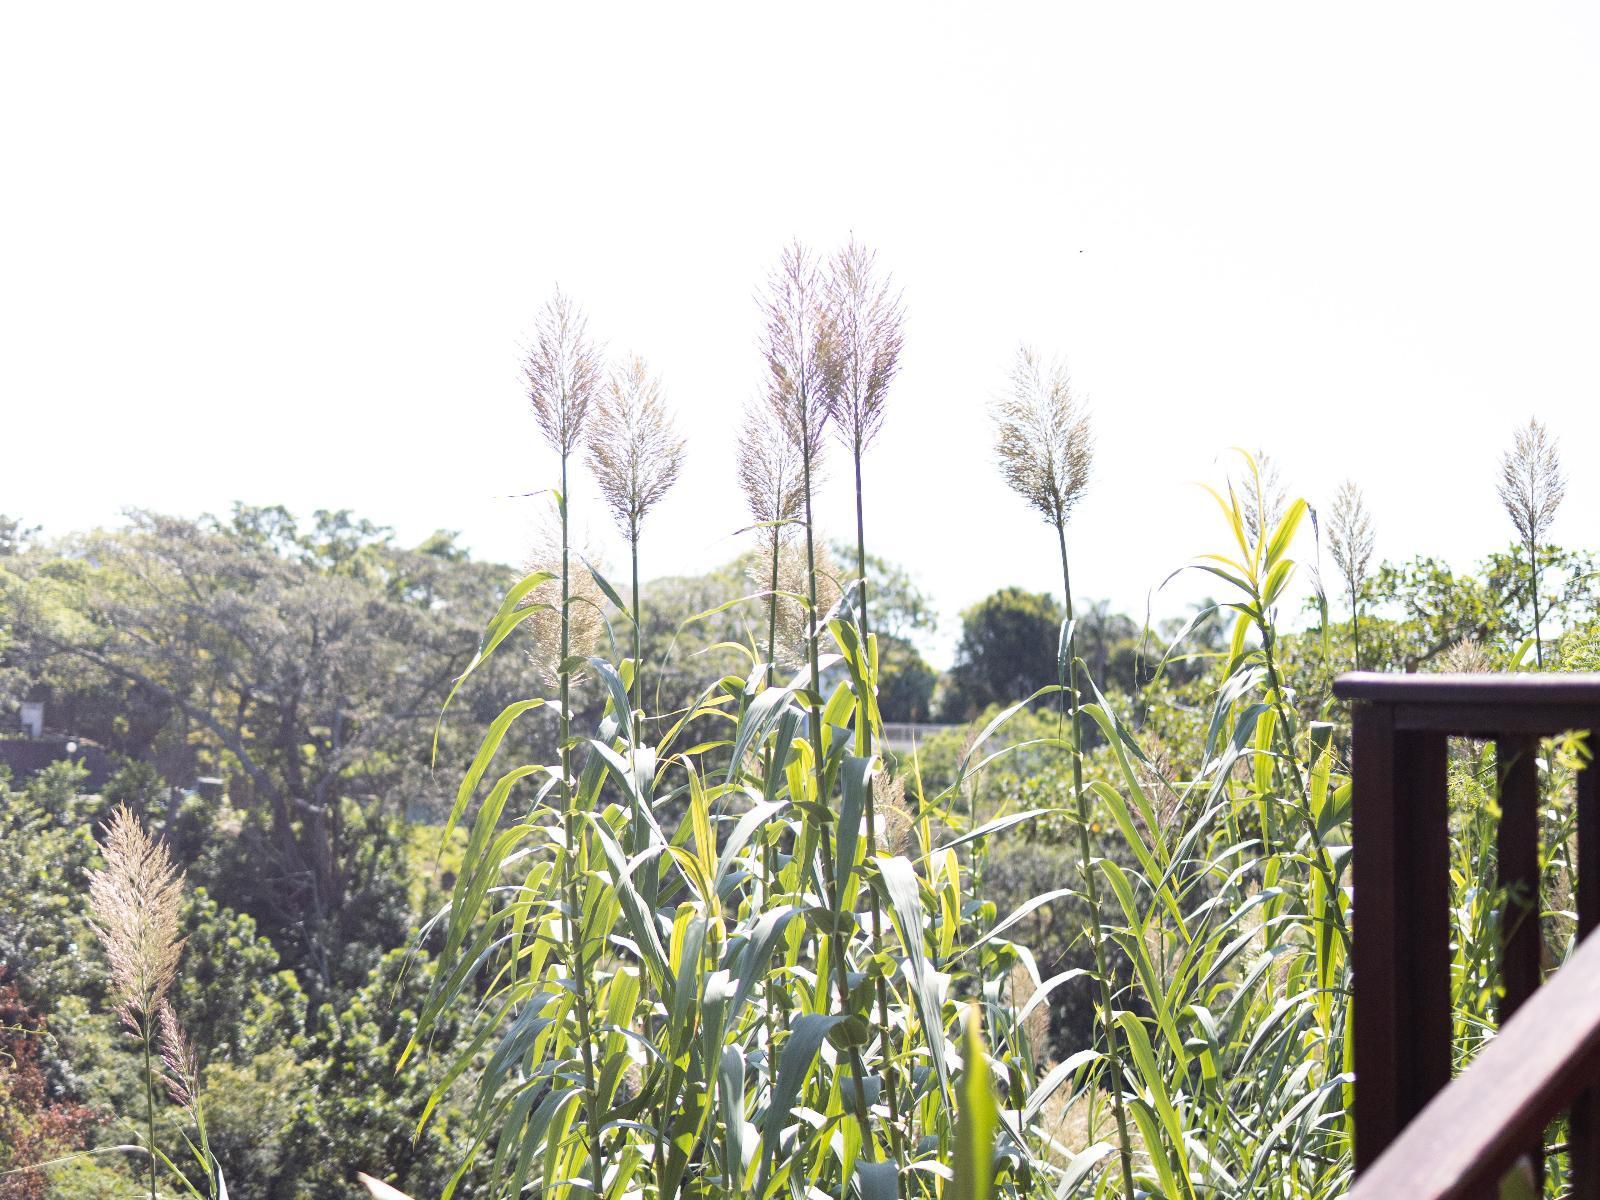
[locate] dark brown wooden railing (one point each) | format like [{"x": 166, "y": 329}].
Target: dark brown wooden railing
[{"x": 1419, "y": 1134}]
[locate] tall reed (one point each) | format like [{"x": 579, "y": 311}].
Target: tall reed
[
  {"x": 1045, "y": 449},
  {"x": 868, "y": 320},
  {"x": 136, "y": 908},
  {"x": 1531, "y": 489},
  {"x": 800, "y": 347},
  {"x": 563, "y": 375},
  {"x": 673, "y": 962}
]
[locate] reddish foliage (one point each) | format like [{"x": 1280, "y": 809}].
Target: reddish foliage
[{"x": 34, "y": 1128}]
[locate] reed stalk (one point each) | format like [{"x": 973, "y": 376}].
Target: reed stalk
[
  {"x": 1045, "y": 450},
  {"x": 563, "y": 374}
]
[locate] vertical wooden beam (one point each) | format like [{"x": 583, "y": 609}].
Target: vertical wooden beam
[
  {"x": 1521, "y": 943},
  {"x": 1584, "y": 1129},
  {"x": 1379, "y": 1002},
  {"x": 1401, "y": 954},
  {"x": 1424, "y": 798}
]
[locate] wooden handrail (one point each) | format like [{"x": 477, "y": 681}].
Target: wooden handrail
[
  {"x": 1472, "y": 1132},
  {"x": 1547, "y": 1055}
]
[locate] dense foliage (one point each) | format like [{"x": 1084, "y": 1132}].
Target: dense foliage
[{"x": 657, "y": 907}]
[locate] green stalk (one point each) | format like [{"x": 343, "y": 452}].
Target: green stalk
[
  {"x": 864, "y": 748},
  {"x": 638, "y": 639},
  {"x": 1533, "y": 570},
  {"x": 772, "y": 610},
  {"x": 1286, "y": 725},
  {"x": 1355, "y": 626},
  {"x": 1071, "y": 709},
  {"x": 769, "y": 853},
  {"x": 575, "y": 955},
  {"x": 840, "y": 968},
  {"x": 149, "y": 1104}
]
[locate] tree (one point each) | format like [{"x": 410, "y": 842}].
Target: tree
[
  {"x": 35, "y": 1127},
  {"x": 1007, "y": 651},
  {"x": 14, "y": 535},
  {"x": 361, "y": 1110},
  {"x": 305, "y": 667},
  {"x": 905, "y": 681}
]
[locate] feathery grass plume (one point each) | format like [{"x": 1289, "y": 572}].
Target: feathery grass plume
[
  {"x": 1350, "y": 541},
  {"x": 792, "y": 620},
  {"x": 1531, "y": 489},
  {"x": 182, "y": 1067},
  {"x": 1035, "y": 1028},
  {"x": 1046, "y": 448},
  {"x": 1043, "y": 439},
  {"x": 769, "y": 473},
  {"x": 769, "y": 468},
  {"x": 636, "y": 456},
  {"x": 563, "y": 373},
  {"x": 889, "y": 797},
  {"x": 868, "y": 332},
  {"x": 798, "y": 346},
  {"x": 135, "y": 908},
  {"x": 1466, "y": 657},
  {"x": 585, "y": 604},
  {"x": 1261, "y": 496},
  {"x": 635, "y": 452}
]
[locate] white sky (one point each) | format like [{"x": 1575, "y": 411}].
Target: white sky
[{"x": 288, "y": 254}]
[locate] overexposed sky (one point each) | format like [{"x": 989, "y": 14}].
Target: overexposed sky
[{"x": 288, "y": 254}]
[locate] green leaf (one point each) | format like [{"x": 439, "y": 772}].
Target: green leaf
[
  {"x": 480, "y": 762},
  {"x": 806, "y": 1035},
  {"x": 977, "y": 1123}
]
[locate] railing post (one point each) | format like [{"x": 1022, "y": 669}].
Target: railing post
[
  {"x": 1584, "y": 1125},
  {"x": 1401, "y": 954},
  {"x": 1517, "y": 851}
]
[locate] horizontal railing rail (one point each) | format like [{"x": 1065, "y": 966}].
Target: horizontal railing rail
[{"x": 1468, "y": 1136}]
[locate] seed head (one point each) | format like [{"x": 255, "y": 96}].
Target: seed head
[
  {"x": 792, "y": 650},
  {"x": 1036, "y": 1028},
  {"x": 1350, "y": 537},
  {"x": 1466, "y": 657},
  {"x": 135, "y": 913},
  {"x": 634, "y": 451},
  {"x": 1042, "y": 438},
  {"x": 798, "y": 345},
  {"x": 1531, "y": 484},
  {"x": 868, "y": 334},
  {"x": 181, "y": 1069},
  {"x": 889, "y": 803},
  {"x": 563, "y": 371},
  {"x": 1261, "y": 495},
  {"x": 769, "y": 468},
  {"x": 586, "y": 614}
]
